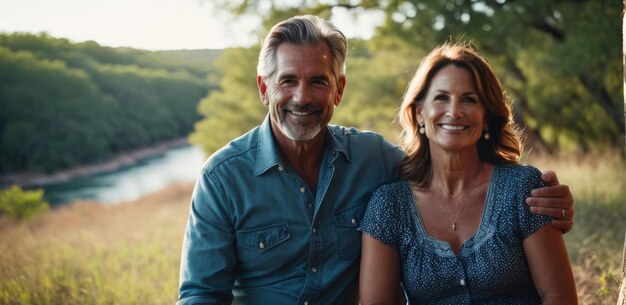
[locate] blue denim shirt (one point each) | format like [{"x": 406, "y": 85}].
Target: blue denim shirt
[{"x": 255, "y": 229}]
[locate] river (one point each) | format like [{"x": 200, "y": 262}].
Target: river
[{"x": 175, "y": 165}]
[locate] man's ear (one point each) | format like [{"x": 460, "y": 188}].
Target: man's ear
[
  {"x": 340, "y": 87},
  {"x": 262, "y": 90}
]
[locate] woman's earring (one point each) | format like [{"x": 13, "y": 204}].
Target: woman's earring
[
  {"x": 487, "y": 136},
  {"x": 422, "y": 129}
]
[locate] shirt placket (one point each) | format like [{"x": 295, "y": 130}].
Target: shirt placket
[
  {"x": 317, "y": 234},
  {"x": 461, "y": 278}
]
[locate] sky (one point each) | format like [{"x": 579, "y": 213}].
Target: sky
[{"x": 145, "y": 24}]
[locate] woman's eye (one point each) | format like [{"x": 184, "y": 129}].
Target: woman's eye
[
  {"x": 440, "y": 97},
  {"x": 468, "y": 99}
]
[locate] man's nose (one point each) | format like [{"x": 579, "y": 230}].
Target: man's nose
[{"x": 302, "y": 94}]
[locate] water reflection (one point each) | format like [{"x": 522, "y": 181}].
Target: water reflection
[{"x": 179, "y": 164}]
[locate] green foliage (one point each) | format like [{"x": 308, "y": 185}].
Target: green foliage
[
  {"x": 558, "y": 60},
  {"x": 19, "y": 204},
  {"x": 65, "y": 104},
  {"x": 375, "y": 83},
  {"x": 233, "y": 109}
]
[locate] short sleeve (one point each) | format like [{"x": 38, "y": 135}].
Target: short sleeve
[
  {"x": 381, "y": 219},
  {"x": 529, "y": 223}
]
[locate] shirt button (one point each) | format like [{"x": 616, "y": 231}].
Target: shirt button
[
  {"x": 310, "y": 205},
  {"x": 462, "y": 282},
  {"x": 302, "y": 189},
  {"x": 261, "y": 245},
  {"x": 353, "y": 221},
  {"x": 314, "y": 230},
  {"x": 306, "y": 303},
  {"x": 314, "y": 269},
  {"x": 280, "y": 168}
]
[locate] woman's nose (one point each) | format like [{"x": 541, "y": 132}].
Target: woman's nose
[{"x": 454, "y": 109}]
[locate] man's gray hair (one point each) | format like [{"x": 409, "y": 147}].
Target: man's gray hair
[{"x": 307, "y": 30}]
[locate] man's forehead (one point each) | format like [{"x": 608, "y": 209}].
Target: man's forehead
[{"x": 291, "y": 58}]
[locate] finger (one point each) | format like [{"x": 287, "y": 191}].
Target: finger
[
  {"x": 549, "y": 178},
  {"x": 556, "y": 213},
  {"x": 556, "y": 203},
  {"x": 563, "y": 225},
  {"x": 551, "y": 191}
]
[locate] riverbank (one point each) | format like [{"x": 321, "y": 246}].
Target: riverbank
[{"x": 30, "y": 179}]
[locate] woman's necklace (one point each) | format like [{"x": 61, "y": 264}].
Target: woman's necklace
[{"x": 457, "y": 195}]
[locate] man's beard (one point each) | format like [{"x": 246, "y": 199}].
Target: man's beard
[{"x": 300, "y": 133}]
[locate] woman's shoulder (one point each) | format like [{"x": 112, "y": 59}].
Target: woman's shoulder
[
  {"x": 517, "y": 172},
  {"x": 391, "y": 195},
  {"x": 393, "y": 190}
]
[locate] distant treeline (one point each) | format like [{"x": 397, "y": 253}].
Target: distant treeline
[{"x": 65, "y": 103}]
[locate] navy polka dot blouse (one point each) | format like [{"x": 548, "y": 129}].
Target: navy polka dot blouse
[{"x": 491, "y": 267}]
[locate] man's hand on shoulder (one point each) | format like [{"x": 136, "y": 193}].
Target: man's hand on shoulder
[{"x": 554, "y": 200}]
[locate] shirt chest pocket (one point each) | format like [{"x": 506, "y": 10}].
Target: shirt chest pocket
[
  {"x": 346, "y": 235},
  {"x": 259, "y": 250},
  {"x": 263, "y": 239}
]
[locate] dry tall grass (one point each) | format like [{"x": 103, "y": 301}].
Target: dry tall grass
[
  {"x": 596, "y": 242},
  {"x": 129, "y": 253},
  {"x": 90, "y": 253}
]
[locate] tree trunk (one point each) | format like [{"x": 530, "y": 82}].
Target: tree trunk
[{"x": 621, "y": 299}]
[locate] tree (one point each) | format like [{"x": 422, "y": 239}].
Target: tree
[
  {"x": 235, "y": 107},
  {"x": 66, "y": 104},
  {"x": 45, "y": 109},
  {"x": 558, "y": 59}
]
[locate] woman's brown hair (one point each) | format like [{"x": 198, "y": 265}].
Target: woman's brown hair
[{"x": 504, "y": 145}]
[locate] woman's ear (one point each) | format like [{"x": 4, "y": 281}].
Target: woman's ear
[{"x": 418, "y": 114}]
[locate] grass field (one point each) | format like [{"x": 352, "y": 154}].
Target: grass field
[{"x": 129, "y": 253}]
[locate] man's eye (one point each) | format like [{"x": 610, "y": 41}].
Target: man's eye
[{"x": 319, "y": 82}]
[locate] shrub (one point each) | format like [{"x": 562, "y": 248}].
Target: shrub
[{"x": 19, "y": 204}]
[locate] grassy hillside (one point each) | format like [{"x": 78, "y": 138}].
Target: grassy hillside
[
  {"x": 129, "y": 253},
  {"x": 90, "y": 253}
]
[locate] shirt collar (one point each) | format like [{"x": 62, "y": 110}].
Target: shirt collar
[
  {"x": 268, "y": 155},
  {"x": 334, "y": 144}
]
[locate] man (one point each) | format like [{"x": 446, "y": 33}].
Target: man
[{"x": 274, "y": 213}]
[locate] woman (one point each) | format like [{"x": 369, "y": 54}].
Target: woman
[{"x": 456, "y": 229}]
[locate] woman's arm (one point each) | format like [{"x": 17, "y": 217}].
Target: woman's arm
[
  {"x": 550, "y": 267},
  {"x": 379, "y": 281}
]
